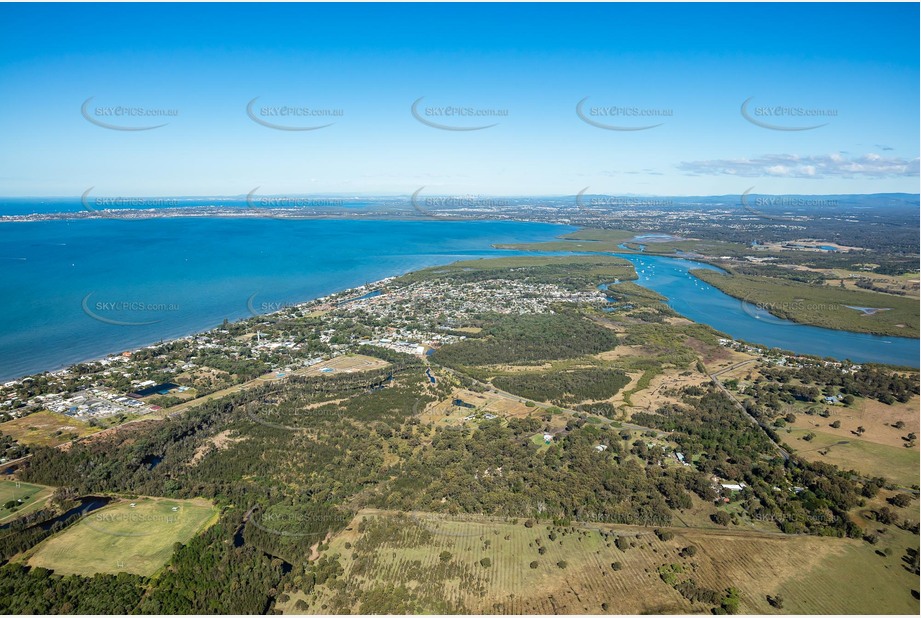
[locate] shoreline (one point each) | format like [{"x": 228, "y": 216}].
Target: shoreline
[
  {"x": 481, "y": 238},
  {"x": 238, "y": 213},
  {"x": 354, "y": 292},
  {"x": 367, "y": 287}
]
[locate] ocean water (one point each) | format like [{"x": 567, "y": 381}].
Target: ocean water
[{"x": 77, "y": 290}]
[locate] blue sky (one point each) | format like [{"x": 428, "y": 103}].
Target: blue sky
[{"x": 689, "y": 68}]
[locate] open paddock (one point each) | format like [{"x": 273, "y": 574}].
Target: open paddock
[{"x": 431, "y": 563}]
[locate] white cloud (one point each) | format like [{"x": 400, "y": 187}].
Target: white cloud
[{"x": 806, "y": 166}]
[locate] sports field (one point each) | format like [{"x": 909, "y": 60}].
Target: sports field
[
  {"x": 32, "y": 498},
  {"x": 120, "y": 537}
]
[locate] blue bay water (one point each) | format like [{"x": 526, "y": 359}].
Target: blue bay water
[
  {"x": 189, "y": 274},
  {"x": 186, "y": 275}
]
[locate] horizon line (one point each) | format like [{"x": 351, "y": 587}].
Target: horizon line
[{"x": 244, "y": 196}]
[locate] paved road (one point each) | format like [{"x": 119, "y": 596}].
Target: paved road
[
  {"x": 754, "y": 421},
  {"x": 736, "y": 366}
]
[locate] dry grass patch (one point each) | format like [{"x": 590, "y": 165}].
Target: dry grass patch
[
  {"x": 428, "y": 563},
  {"x": 850, "y": 453},
  {"x": 344, "y": 364},
  {"x": 218, "y": 442},
  {"x": 654, "y": 396},
  {"x": 46, "y": 428},
  {"x": 446, "y": 413}
]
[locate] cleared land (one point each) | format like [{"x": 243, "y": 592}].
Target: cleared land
[
  {"x": 662, "y": 389},
  {"x": 46, "y": 428},
  {"x": 421, "y": 562},
  {"x": 219, "y": 442},
  {"x": 904, "y": 284},
  {"x": 605, "y": 264},
  {"x": 806, "y": 244},
  {"x": 122, "y": 538},
  {"x": 878, "y": 450},
  {"x": 446, "y": 414},
  {"x": 610, "y": 240},
  {"x": 878, "y": 420},
  {"x": 348, "y": 363},
  {"x": 851, "y": 453},
  {"x": 32, "y": 496}
]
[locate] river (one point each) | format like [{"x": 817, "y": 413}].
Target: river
[{"x": 701, "y": 302}]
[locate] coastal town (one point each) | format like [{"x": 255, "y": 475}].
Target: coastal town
[{"x": 414, "y": 318}]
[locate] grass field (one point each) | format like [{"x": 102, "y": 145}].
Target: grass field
[
  {"x": 877, "y": 419},
  {"x": 605, "y": 268},
  {"x": 610, "y": 240},
  {"x": 46, "y": 429},
  {"x": 33, "y": 497},
  {"x": 874, "y": 569},
  {"x": 445, "y": 412},
  {"x": 423, "y": 563},
  {"x": 869, "y": 458},
  {"x": 641, "y": 384},
  {"x": 875, "y": 577},
  {"x": 606, "y": 262},
  {"x": 120, "y": 537},
  {"x": 347, "y": 363},
  {"x": 906, "y": 283},
  {"x": 825, "y": 306}
]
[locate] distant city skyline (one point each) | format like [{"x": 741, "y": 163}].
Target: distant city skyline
[{"x": 502, "y": 99}]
